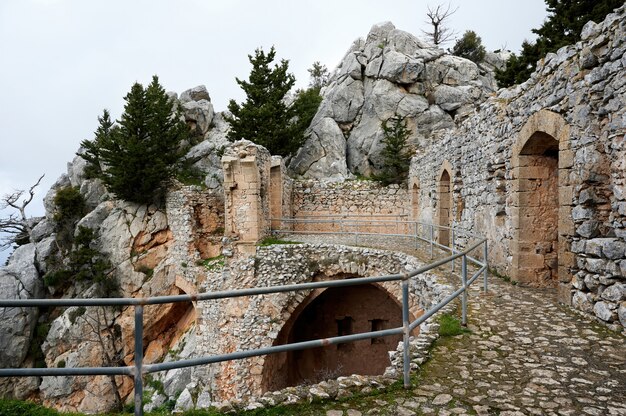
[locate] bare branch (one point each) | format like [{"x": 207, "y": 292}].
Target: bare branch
[
  {"x": 17, "y": 226},
  {"x": 437, "y": 18}
]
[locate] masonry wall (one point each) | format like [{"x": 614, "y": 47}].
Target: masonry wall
[
  {"x": 256, "y": 321},
  {"x": 576, "y": 97},
  {"x": 362, "y": 200}
]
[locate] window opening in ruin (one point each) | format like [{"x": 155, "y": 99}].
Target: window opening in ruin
[
  {"x": 445, "y": 206},
  {"x": 539, "y": 211},
  {"x": 377, "y": 325},
  {"x": 344, "y": 327}
]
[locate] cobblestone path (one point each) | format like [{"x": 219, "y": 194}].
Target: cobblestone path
[{"x": 525, "y": 354}]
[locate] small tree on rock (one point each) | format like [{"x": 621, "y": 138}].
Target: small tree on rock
[
  {"x": 396, "y": 155},
  {"x": 470, "y": 47},
  {"x": 319, "y": 76},
  {"x": 264, "y": 117}
]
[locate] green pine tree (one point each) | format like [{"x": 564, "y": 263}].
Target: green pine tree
[
  {"x": 136, "y": 158},
  {"x": 563, "y": 25},
  {"x": 396, "y": 154},
  {"x": 470, "y": 46},
  {"x": 264, "y": 117}
]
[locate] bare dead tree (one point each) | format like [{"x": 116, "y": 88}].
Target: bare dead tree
[
  {"x": 17, "y": 225},
  {"x": 437, "y": 19},
  {"x": 101, "y": 331}
]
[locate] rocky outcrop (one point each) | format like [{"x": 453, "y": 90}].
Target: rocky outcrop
[{"x": 390, "y": 73}]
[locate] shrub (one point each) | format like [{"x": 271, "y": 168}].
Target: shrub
[{"x": 20, "y": 408}]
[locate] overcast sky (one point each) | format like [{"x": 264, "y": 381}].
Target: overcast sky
[{"x": 63, "y": 61}]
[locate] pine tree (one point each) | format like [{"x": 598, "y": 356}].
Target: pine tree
[
  {"x": 396, "y": 155},
  {"x": 563, "y": 25},
  {"x": 264, "y": 117},
  {"x": 470, "y": 46},
  {"x": 319, "y": 76},
  {"x": 137, "y": 157}
]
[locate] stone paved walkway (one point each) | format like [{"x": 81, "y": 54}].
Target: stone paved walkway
[{"x": 525, "y": 355}]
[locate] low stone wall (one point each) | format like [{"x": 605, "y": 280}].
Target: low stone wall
[
  {"x": 576, "y": 100},
  {"x": 358, "y": 199}
]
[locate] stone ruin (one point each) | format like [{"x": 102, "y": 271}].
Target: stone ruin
[{"x": 539, "y": 169}]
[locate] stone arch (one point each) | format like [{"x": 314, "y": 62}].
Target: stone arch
[
  {"x": 541, "y": 200},
  {"x": 444, "y": 210},
  {"x": 415, "y": 202},
  {"x": 326, "y": 313}
]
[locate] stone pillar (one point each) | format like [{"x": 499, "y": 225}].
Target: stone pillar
[{"x": 246, "y": 194}]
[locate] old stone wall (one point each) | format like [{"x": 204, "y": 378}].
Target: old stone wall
[
  {"x": 560, "y": 132},
  {"x": 363, "y": 200},
  {"x": 252, "y": 322}
]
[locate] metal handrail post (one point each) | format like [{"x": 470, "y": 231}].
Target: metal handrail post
[
  {"x": 416, "y": 235},
  {"x": 138, "y": 360},
  {"x": 405, "y": 325},
  {"x": 432, "y": 237},
  {"x": 464, "y": 298},
  {"x": 485, "y": 254},
  {"x": 452, "y": 248},
  {"x": 356, "y": 234}
]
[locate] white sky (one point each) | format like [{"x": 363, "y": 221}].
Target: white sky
[{"x": 63, "y": 61}]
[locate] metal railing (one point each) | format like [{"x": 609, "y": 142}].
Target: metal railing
[{"x": 139, "y": 369}]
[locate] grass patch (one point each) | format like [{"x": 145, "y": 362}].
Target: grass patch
[
  {"x": 270, "y": 241},
  {"x": 213, "y": 263},
  {"x": 450, "y": 326}
]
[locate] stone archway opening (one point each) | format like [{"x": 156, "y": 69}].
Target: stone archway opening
[
  {"x": 538, "y": 211},
  {"x": 335, "y": 312},
  {"x": 445, "y": 206}
]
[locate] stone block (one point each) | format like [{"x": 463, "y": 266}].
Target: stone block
[
  {"x": 615, "y": 293},
  {"x": 566, "y": 195},
  {"x": 596, "y": 265},
  {"x": 566, "y": 159},
  {"x": 578, "y": 246},
  {"x": 607, "y": 311},
  {"x": 564, "y": 293},
  {"x": 531, "y": 261},
  {"x": 564, "y": 177},
  {"x": 566, "y": 224},
  {"x": 564, "y": 275},
  {"x": 613, "y": 248},
  {"x": 594, "y": 247},
  {"x": 567, "y": 259},
  {"x": 534, "y": 172}
]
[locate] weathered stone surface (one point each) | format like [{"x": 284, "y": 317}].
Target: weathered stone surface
[
  {"x": 199, "y": 114},
  {"x": 615, "y": 293},
  {"x": 18, "y": 280},
  {"x": 184, "y": 402},
  {"x": 605, "y": 311},
  {"x": 399, "y": 68},
  {"x": 324, "y": 153},
  {"x": 195, "y": 94}
]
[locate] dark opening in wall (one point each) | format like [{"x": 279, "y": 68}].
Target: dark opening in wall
[{"x": 335, "y": 312}]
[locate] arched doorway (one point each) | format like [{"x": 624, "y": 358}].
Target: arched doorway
[
  {"x": 539, "y": 210},
  {"x": 542, "y": 208},
  {"x": 445, "y": 205},
  {"x": 335, "y": 312}
]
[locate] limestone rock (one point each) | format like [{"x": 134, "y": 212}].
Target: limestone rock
[
  {"x": 184, "y": 402},
  {"x": 199, "y": 115},
  {"x": 605, "y": 311},
  {"x": 96, "y": 217},
  {"x": 195, "y": 94},
  {"x": 48, "y": 200},
  {"x": 323, "y": 154},
  {"x": 401, "y": 69},
  {"x": 19, "y": 280},
  {"x": 615, "y": 293},
  {"x": 43, "y": 229}
]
